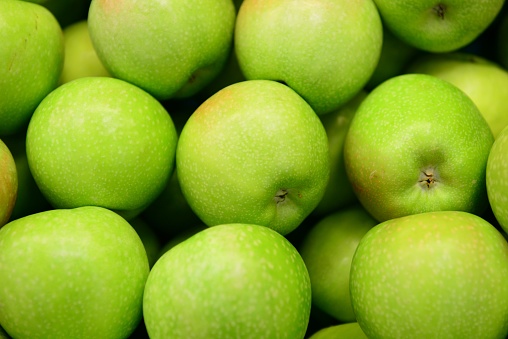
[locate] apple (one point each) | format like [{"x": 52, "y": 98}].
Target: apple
[
  {"x": 170, "y": 48},
  {"x": 438, "y": 26},
  {"x": 327, "y": 251},
  {"x": 484, "y": 81},
  {"x": 80, "y": 60},
  {"x": 77, "y": 273},
  {"x": 255, "y": 153},
  {"x": 497, "y": 187},
  {"x": 229, "y": 281},
  {"x": 148, "y": 237},
  {"x": 418, "y": 144},
  {"x": 436, "y": 274},
  {"x": 8, "y": 183},
  {"x": 338, "y": 193},
  {"x": 341, "y": 331},
  {"x": 31, "y": 60},
  {"x": 101, "y": 141},
  {"x": 324, "y": 50}
]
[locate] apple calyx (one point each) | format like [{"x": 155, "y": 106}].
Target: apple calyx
[
  {"x": 428, "y": 178},
  {"x": 439, "y": 10},
  {"x": 280, "y": 196}
]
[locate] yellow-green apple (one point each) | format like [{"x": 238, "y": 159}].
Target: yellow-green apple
[
  {"x": 325, "y": 50},
  {"x": 341, "y": 331},
  {"x": 338, "y": 193},
  {"x": 417, "y": 144},
  {"x": 169, "y": 48},
  {"x": 327, "y": 250},
  {"x": 255, "y": 153},
  {"x": 484, "y": 81},
  {"x": 8, "y": 183},
  {"x": 80, "y": 60},
  {"x": 438, "y": 26},
  {"x": 431, "y": 275},
  {"x": 31, "y": 60},
  {"x": 101, "y": 141},
  {"x": 76, "y": 273},
  {"x": 229, "y": 281},
  {"x": 497, "y": 185}
]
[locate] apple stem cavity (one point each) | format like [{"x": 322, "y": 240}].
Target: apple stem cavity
[{"x": 439, "y": 10}]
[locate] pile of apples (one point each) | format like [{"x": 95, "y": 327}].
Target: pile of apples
[{"x": 253, "y": 169}]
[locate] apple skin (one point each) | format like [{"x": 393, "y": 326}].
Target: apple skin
[
  {"x": 80, "y": 60},
  {"x": 76, "y": 273},
  {"x": 341, "y": 331},
  {"x": 497, "y": 186},
  {"x": 437, "y": 274},
  {"x": 168, "y": 48},
  {"x": 327, "y": 251},
  {"x": 31, "y": 60},
  {"x": 116, "y": 151},
  {"x": 484, "y": 81},
  {"x": 255, "y": 153},
  {"x": 325, "y": 50},
  {"x": 8, "y": 183},
  {"x": 418, "y": 144},
  {"x": 438, "y": 26},
  {"x": 229, "y": 281}
]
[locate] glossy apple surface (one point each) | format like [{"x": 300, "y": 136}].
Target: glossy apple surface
[
  {"x": 418, "y": 144},
  {"x": 71, "y": 274},
  {"x": 255, "y": 152},
  {"x": 229, "y": 281}
]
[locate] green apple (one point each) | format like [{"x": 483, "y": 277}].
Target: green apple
[
  {"x": 229, "y": 281},
  {"x": 170, "y": 48},
  {"x": 484, "y": 81},
  {"x": 431, "y": 275},
  {"x": 325, "y": 50},
  {"x": 342, "y": 331},
  {"x": 255, "y": 153},
  {"x": 76, "y": 273},
  {"x": 339, "y": 192},
  {"x": 149, "y": 239},
  {"x": 327, "y": 251},
  {"x": 418, "y": 144},
  {"x": 438, "y": 26},
  {"x": 80, "y": 60},
  {"x": 497, "y": 186},
  {"x": 31, "y": 60},
  {"x": 101, "y": 141},
  {"x": 8, "y": 183}
]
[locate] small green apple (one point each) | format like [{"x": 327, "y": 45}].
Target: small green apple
[
  {"x": 342, "y": 331},
  {"x": 327, "y": 251},
  {"x": 432, "y": 275},
  {"x": 8, "y": 183},
  {"x": 76, "y": 273},
  {"x": 101, "y": 141},
  {"x": 229, "y": 281},
  {"x": 438, "y": 26},
  {"x": 418, "y": 144},
  {"x": 170, "y": 48},
  {"x": 80, "y": 60},
  {"x": 485, "y": 82},
  {"x": 497, "y": 185},
  {"x": 31, "y": 60},
  {"x": 255, "y": 153},
  {"x": 325, "y": 50}
]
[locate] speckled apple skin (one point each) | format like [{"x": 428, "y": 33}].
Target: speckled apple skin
[
  {"x": 169, "y": 48},
  {"x": 325, "y": 50},
  {"x": 245, "y": 144},
  {"x": 229, "y": 281},
  {"x": 418, "y": 24},
  {"x": 8, "y": 183},
  {"x": 71, "y": 274},
  {"x": 497, "y": 179},
  {"x": 411, "y": 124},
  {"x": 31, "y": 59},
  {"x": 432, "y": 275},
  {"x": 101, "y": 142},
  {"x": 350, "y": 330}
]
